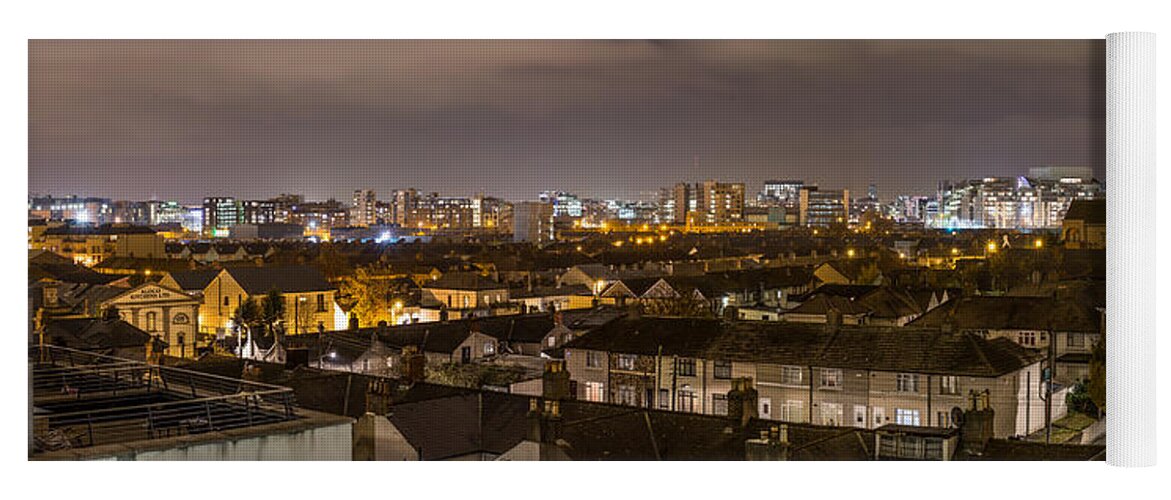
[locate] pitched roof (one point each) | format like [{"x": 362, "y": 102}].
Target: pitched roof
[
  {"x": 676, "y": 336},
  {"x": 68, "y": 273},
  {"x": 194, "y": 280},
  {"x": 1012, "y": 313},
  {"x": 1012, "y": 450},
  {"x": 102, "y": 230},
  {"x": 143, "y": 264},
  {"x": 822, "y": 304},
  {"x": 905, "y": 350},
  {"x": 464, "y": 281},
  {"x": 1090, "y": 211},
  {"x": 95, "y": 334},
  {"x": 462, "y": 424},
  {"x": 285, "y": 279}
]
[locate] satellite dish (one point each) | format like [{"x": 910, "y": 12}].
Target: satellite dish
[{"x": 957, "y": 417}]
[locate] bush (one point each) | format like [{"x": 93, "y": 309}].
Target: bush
[{"x": 1078, "y": 399}]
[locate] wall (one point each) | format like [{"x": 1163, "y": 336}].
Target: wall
[
  {"x": 575, "y": 362},
  {"x": 375, "y": 438},
  {"x": 333, "y": 442}
]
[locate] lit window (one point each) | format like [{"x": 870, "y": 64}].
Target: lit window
[
  {"x": 489, "y": 348},
  {"x": 685, "y": 367},
  {"x": 595, "y": 391},
  {"x": 907, "y": 417}
]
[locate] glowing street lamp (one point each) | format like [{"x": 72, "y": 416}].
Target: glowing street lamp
[
  {"x": 1039, "y": 243},
  {"x": 850, "y": 252},
  {"x": 992, "y": 247}
]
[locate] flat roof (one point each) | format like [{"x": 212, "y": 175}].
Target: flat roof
[{"x": 89, "y": 405}]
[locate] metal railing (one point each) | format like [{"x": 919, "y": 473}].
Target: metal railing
[{"x": 85, "y": 399}]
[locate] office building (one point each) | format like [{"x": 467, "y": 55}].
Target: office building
[{"x": 823, "y": 208}]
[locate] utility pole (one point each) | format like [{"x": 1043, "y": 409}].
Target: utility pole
[
  {"x": 1049, "y": 391},
  {"x": 1047, "y": 379}
]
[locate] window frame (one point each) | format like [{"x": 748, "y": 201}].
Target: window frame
[
  {"x": 720, "y": 401},
  {"x": 593, "y": 359},
  {"x": 722, "y": 370},
  {"x": 907, "y": 383},
  {"x": 949, "y": 389},
  {"x": 836, "y": 377},
  {"x": 786, "y": 369},
  {"x": 626, "y": 362},
  {"x": 908, "y": 416}
]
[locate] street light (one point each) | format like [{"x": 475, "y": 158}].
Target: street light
[
  {"x": 991, "y": 247},
  {"x": 1039, "y": 243}
]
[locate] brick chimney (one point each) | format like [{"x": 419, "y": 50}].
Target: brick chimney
[
  {"x": 378, "y": 396},
  {"x": 772, "y": 446},
  {"x": 833, "y": 318},
  {"x": 544, "y": 418},
  {"x": 413, "y": 365},
  {"x": 978, "y": 425},
  {"x": 555, "y": 381},
  {"x": 742, "y": 400}
]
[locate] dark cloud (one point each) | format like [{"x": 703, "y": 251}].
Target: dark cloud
[{"x": 183, "y": 119}]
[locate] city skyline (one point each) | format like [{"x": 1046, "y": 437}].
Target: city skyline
[{"x": 184, "y": 120}]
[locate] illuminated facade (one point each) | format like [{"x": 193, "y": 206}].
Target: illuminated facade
[
  {"x": 88, "y": 245},
  {"x": 78, "y": 210},
  {"x": 719, "y": 202},
  {"x": 364, "y": 209},
  {"x": 219, "y": 215},
  {"x": 1011, "y": 202},
  {"x": 823, "y": 208}
]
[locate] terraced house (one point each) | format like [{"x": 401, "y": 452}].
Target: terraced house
[{"x": 861, "y": 377}]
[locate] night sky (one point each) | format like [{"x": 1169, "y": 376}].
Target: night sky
[{"x": 253, "y": 119}]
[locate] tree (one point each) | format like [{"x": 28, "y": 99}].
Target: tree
[
  {"x": 272, "y": 310},
  {"x": 246, "y": 317},
  {"x": 368, "y": 296},
  {"x": 687, "y": 304},
  {"x": 331, "y": 262},
  {"x": 1096, "y": 387},
  {"x": 371, "y": 294}
]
